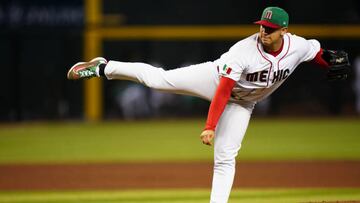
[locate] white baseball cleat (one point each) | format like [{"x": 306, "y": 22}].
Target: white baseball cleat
[{"x": 85, "y": 69}]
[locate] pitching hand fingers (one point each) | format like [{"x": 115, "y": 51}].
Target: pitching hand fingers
[
  {"x": 207, "y": 136},
  {"x": 206, "y": 140}
]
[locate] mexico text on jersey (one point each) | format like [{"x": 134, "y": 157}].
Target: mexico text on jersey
[{"x": 257, "y": 73}]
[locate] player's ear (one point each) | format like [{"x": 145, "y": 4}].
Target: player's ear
[{"x": 284, "y": 30}]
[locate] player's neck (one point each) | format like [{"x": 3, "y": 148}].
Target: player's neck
[{"x": 274, "y": 47}]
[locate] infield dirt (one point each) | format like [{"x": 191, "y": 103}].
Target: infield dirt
[{"x": 177, "y": 175}]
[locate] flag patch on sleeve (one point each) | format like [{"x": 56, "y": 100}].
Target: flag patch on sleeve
[{"x": 227, "y": 69}]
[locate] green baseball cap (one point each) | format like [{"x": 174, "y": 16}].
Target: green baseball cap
[{"x": 274, "y": 17}]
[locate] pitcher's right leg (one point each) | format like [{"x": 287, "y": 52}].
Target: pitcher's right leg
[
  {"x": 230, "y": 132},
  {"x": 198, "y": 80}
]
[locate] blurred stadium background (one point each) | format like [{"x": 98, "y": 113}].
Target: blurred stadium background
[
  {"x": 42, "y": 113},
  {"x": 41, "y": 39}
]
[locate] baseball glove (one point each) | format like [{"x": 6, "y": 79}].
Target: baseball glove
[{"x": 339, "y": 65}]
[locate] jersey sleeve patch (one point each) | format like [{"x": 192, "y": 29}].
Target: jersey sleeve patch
[
  {"x": 227, "y": 69},
  {"x": 230, "y": 72}
]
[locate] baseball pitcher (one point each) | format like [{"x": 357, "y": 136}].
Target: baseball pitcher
[{"x": 251, "y": 70}]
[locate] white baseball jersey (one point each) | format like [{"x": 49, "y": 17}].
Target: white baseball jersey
[{"x": 257, "y": 73}]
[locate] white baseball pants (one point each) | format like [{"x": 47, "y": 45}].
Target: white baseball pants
[{"x": 199, "y": 80}]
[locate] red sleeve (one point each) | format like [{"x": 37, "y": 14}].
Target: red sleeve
[
  {"x": 219, "y": 101},
  {"x": 319, "y": 59}
]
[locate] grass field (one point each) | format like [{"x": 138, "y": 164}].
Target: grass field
[
  {"x": 183, "y": 196},
  {"x": 277, "y": 139}
]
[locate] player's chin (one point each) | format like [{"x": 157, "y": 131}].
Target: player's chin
[{"x": 265, "y": 41}]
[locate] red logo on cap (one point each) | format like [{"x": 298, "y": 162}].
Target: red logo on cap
[{"x": 268, "y": 14}]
